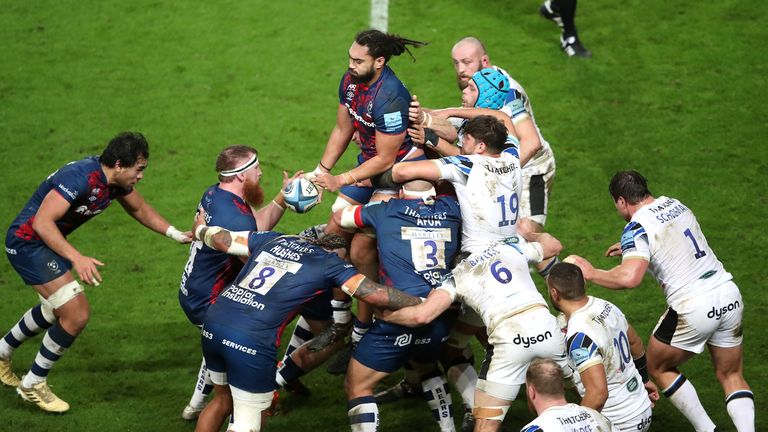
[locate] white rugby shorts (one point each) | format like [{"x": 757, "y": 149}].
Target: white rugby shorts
[
  {"x": 714, "y": 317},
  {"x": 538, "y": 176}
]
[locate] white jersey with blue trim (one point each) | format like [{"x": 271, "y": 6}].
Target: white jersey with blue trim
[
  {"x": 569, "y": 418},
  {"x": 518, "y": 106},
  {"x": 488, "y": 189},
  {"x": 495, "y": 282},
  {"x": 598, "y": 334},
  {"x": 666, "y": 234}
]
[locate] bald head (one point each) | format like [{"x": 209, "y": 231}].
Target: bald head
[{"x": 469, "y": 56}]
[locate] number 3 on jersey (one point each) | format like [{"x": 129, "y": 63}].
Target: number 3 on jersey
[
  {"x": 268, "y": 270},
  {"x": 513, "y": 203}
]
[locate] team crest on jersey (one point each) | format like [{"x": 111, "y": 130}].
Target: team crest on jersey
[
  {"x": 351, "y": 91},
  {"x": 369, "y": 107},
  {"x": 54, "y": 266},
  {"x": 581, "y": 348}
]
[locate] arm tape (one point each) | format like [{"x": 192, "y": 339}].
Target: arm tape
[
  {"x": 351, "y": 285},
  {"x": 641, "y": 364},
  {"x": 384, "y": 181},
  {"x": 239, "y": 244},
  {"x": 430, "y": 138}
]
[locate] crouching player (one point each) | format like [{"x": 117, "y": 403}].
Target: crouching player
[{"x": 240, "y": 335}]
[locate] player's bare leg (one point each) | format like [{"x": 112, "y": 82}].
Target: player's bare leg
[
  {"x": 489, "y": 412},
  {"x": 216, "y": 412},
  {"x": 739, "y": 400},
  {"x": 663, "y": 362}
]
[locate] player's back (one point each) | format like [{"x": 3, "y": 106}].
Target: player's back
[
  {"x": 569, "y": 418},
  {"x": 281, "y": 273},
  {"x": 488, "y": 189},
  {"x": 680, "y": 257},
  {"x": 417, "y": 241},
  {"x": 496, "y": 283},
  {"x": 598, "y": 333}
]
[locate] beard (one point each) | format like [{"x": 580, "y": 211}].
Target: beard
[
  {"x": 254, "y": 194},
  {"x": 531, "y": 408},
  {"x": 462, "y": 83},
  {"x": 362, "y": 78}
]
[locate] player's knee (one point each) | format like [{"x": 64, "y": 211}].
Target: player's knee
[{"x": 248, "y": 408}]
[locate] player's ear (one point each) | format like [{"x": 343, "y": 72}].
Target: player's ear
[{"x": 379, "y": 62}]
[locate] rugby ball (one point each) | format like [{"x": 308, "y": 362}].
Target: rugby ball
[{"x": 301, "y": 195}]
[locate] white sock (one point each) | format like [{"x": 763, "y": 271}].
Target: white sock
[
  {"x": 683, "y": 396},
  {"x": 439, "y": 402},
  {"x": 203, "y": 387},
  {"x": 741, "y": 407},
  {"x": 301, "y": 334},
  {"x": 363, "y": 414},
  {"x": 464, "y": 378},
  {"x": 34, "y": 321}
]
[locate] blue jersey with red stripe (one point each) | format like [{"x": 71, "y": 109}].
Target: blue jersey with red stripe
[
  {"x": 416, "y": 241},
  {"x": 83, "y": 184},
  {"x": 282, "y": 273},
  {"x": 208, "y": 271},
  {"x": 382, "y": 106}
]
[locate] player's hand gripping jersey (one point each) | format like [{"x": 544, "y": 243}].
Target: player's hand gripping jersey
[
  {"x": 488, "y": 189},
  {"x": 597, "y": 333},
  {"x": 666, "y": 233}
]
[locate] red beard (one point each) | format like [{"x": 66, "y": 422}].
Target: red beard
[{"x": 254, "y": 194}]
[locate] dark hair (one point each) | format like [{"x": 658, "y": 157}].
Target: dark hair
[
  {"x": 546, "y": 377},
  {"x": 230, "y": 157},
  {"x": 489, "y": 130},
  {"x": 386, "y": 45},
  {"x": 127, "y": 148},
  {"x": 630, "y": 185},
  {"x": 568, "y": 280}
]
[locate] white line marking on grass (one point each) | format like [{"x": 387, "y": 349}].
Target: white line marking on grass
[{"x": 380, "y": 14}]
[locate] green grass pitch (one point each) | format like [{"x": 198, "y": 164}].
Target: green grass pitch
[{"x": 676, "y": 90}]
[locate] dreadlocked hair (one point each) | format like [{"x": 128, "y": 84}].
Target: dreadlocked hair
[
  {"x": 329, "y": 241},
  {"x": 386, "y": 45}
]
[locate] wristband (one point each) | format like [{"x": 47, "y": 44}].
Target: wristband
[
  {"x": 641, "y": 364},
  {"x": 175, "y": 234}
]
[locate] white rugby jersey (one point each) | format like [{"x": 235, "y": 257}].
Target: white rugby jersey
[
  {"x": 496, "y": 283},
  {"x": 597, "y": 333},
  {"x": 517, "y": 106},
  {"x": 488, "y": 189},
  {"x": 666, "y": 234},
  {"x": 569, "y": 418}
]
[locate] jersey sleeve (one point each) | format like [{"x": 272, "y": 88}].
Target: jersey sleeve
[
  {"x": 338, "y": 271},
  {"x": 455, "y": 169},
  {"x": 371, "y": 214},
  {"x": 583, "y": 351},
  {"x": 342, "y": 88},
  {"x": 634, "y": 242},
  {"x": 514, "y": 106},
  {"x": 391, "y": 113},
  {"x": 449, "y": 285},
  {"x": 70, "y": 184}
]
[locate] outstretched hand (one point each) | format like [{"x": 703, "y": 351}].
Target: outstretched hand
[
  {"x": 614, "y": 250},
  {"x": 85, "y": 267}
]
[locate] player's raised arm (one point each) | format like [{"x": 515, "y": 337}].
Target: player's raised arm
[{"x": 626, "y": 275}]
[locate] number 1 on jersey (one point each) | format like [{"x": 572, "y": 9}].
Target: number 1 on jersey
[{"x": 699, "y": 253}]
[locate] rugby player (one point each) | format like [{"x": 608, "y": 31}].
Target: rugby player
[
  {"x": 705, "y": 307},
  {"x": 606, "y": 352},
  {"x": 546, "y": 397},
  {"x": 241, "y": 331},
  {"x": 232, "y": 203},
  {"x": 37, "y": 247}
]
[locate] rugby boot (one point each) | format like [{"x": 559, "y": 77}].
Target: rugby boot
[
  {"x": 549, "y": 13},
  {"x": 191, "y": 413},
  {"x": 41, "y": 395},
  {"x": 7, "y": 377},
  {"x": 572, "y": 46}
]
